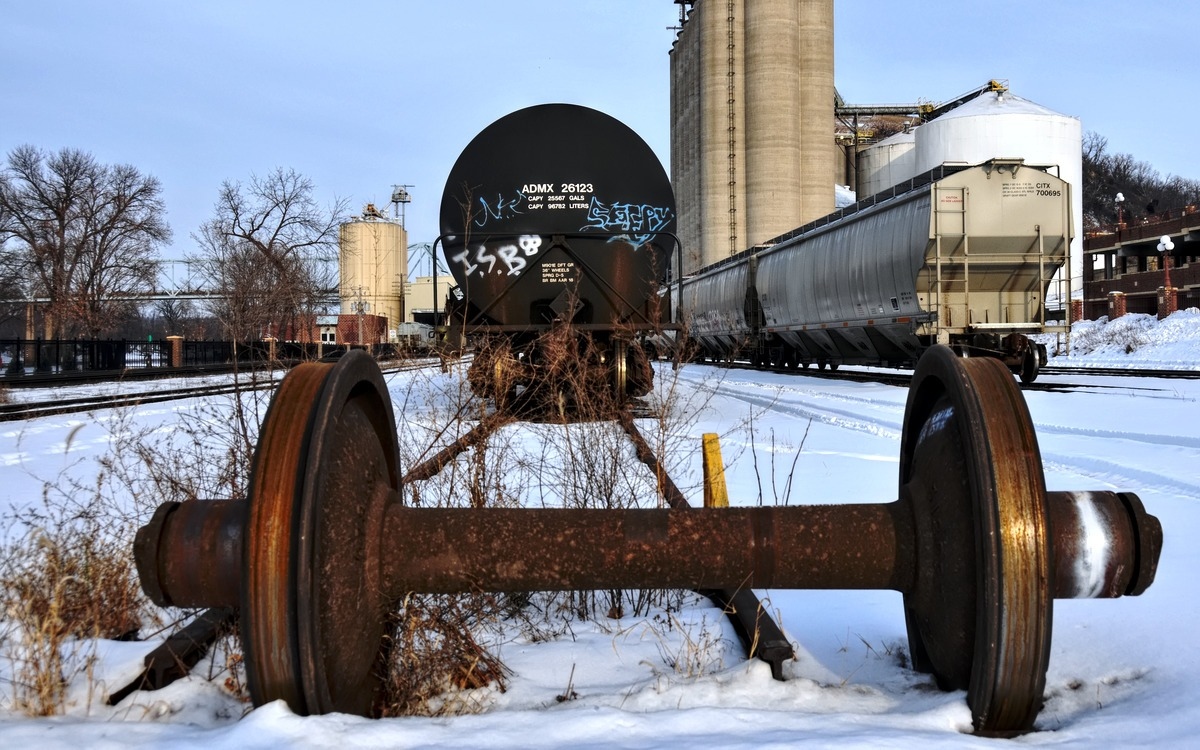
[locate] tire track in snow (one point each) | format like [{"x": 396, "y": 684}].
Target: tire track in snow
[
  {"x": 1122, "y": 476},
  {"x": 845, "y": 418},
  {"x": 1149, "y": 438}
]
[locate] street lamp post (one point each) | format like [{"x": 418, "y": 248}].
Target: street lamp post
[
  {"x": 1165, "y": 246},
  {"x": 1119, "y": 199}
]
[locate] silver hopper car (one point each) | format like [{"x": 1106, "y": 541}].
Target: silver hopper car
[{"x": 962, "y": 256}]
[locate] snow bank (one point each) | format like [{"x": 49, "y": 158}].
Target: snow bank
[{"x": 1136, "y": 340}]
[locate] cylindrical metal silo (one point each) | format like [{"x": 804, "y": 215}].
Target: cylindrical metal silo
[
  {"x": 1000, "y": 124},
  {"x": 772, "y": 140},
  {"x": 373, "y": 262},
  {"x": 886, "y": 163},
  {"x": 762, "y": 133},
  {"x": 686, "y": 164}
]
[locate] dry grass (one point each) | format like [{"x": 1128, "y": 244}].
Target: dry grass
[
  {"x": 67, "y": 576},
  {"x": 68, "y": 579},
  {"x": 438, "y": 664}
]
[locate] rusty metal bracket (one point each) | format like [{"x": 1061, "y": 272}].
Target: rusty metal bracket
[
  {"x": 760, "y": 635},
  {"x": 176, "y": 656}
]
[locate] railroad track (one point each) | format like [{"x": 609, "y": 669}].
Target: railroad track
[
  {"x": 1122, "y": 372},
  {"x": 83, "y": 404},
  {"x": 887, "y": 377},
  {"x": 902, "y": 378},
  {"x": 19, "y": 411}
]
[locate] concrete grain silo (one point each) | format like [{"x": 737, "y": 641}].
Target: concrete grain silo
[
  {"x": 373, "y": 262},
  {"x": 752, "y": 148},
  {"x": 773, "y": 143}
]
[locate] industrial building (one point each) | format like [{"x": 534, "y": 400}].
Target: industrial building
[
  {"x": 761, "y": 140},
  {"x": 372, "y": 255},
  {"x": 752, "y": 98}
]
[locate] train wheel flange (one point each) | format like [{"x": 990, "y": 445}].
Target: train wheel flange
[
  {"x": 620, "y": 369},
  {"x": 1030, "y": 365},
  {"x": 313, "y": 610},
  {"x": 979, "y": 612}
]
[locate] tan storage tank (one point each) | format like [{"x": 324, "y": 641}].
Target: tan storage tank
[
  {"x": 818, "y": 150},
  {"x": 373, "y": 264}
]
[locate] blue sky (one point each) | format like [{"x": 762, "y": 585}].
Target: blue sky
[{"x": 363, "y": 95}]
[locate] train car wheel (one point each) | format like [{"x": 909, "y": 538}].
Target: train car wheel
[
  {"x": 312, "y": 608},
  {"x": 1029, "y": 366},
  {"x": 640, "y": 373},
  {"x": 979, "y": 610},
  {"x": 620, "y": 369}
]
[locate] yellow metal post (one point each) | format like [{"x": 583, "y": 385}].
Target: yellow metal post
[{"x": 715, "y": 493}]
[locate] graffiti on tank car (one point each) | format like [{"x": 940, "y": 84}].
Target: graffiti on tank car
[
  {"x": 509, "y": 258},
  {"x": 639, "y": 222},
  {"x": 500, "y": 209}
]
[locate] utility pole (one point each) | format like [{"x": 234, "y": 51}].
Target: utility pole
[{"x": 360, "y": 307}]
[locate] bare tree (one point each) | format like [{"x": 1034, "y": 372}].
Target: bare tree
[
  {"x": 174, "y": 316},
  {"x": 270, "y": 250},
  {"x": 1143, "y": 191},
  {"x": 81, "y": 234}
]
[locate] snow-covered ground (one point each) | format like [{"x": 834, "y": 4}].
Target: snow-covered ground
[
  {"x": 1136, "y": 340},
  {"x": 1122, "y": 672}
]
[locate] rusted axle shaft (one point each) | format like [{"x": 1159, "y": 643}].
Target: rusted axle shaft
[
  {"x": 319, "y": 554},
  {"x": 1098, "y": 542}
]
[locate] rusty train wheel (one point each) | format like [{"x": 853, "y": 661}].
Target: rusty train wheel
[
  {"x": 979, "y": 612},
  {"x": 313, "y": 609},
  {"x": 620, "y": 369}
]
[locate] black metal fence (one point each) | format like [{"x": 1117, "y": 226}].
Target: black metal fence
[
  {"x": 30, "y": 357},
  {"x": 20, "y": 357}
]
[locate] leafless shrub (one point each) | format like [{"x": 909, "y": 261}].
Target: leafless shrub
[
  {"x": 700, "y": 648},
  {"x": 67, "y": 575},
  {"x": 437, "y": 661},
  {"x": 66, "y": 579}
]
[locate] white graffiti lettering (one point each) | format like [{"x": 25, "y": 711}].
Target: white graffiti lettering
[
  {"x": 462, "y": 258},
  {"x": 640, "y": 221},
  {"x": 483, "y": 256},
  {"x": 509, "y": 258},
  {"x": 509, "y": 255},
  {"x": 501, "y": 209},
  {"x": 530, "y": 244}
]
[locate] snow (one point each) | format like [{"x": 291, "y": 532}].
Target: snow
[
  {"x": 1138, "y": 340},
  {"x": 1122, "y": 672}
]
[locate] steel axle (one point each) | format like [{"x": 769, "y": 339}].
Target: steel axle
[{"x": 323, "y": 548}]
